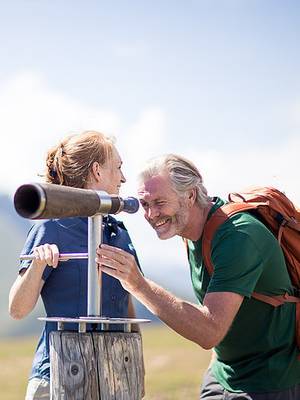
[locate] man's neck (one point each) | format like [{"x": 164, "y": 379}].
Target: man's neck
[{"x": 197, "y": 220}]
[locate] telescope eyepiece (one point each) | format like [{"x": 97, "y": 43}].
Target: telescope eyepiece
[{"x": 131, "y": 205}]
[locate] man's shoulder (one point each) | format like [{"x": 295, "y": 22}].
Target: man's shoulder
[{"x": 246, "y": 222}]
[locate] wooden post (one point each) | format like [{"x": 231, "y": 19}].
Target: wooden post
[{"x": 96, "y": 366}]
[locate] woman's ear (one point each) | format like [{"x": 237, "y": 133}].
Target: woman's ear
[{"x": 96, "y": 171}]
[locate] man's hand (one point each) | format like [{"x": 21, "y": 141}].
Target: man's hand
[{"x": 121, "y": 265}]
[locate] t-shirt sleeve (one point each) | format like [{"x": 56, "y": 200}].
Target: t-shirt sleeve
[
  {"x": 40, "y": 233},
  {"x": 237, "y": 264}
]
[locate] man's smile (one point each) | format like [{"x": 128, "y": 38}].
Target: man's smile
[{"x": 161, "y": 222}]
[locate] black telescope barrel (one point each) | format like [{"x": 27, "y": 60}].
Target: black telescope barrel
[{"x": 45, "y": 200}]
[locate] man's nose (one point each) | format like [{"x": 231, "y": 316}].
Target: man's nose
[{"x": 152, "y": 212}]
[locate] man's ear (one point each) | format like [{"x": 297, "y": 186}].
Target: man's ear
[{"x": 192, "y": 195}]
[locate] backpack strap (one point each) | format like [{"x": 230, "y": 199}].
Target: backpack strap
[
  {"x": 276, "y": 301},
  {"x": 221, "y": 215}
]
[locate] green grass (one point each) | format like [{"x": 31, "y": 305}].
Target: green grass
[
  {"x": 16, "y": 357},
  {"x": 174, "y": 366}
]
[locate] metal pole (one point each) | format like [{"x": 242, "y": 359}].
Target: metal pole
[
  {"x": 94, "y": 300},
  {"x": 62, "y": 256}
]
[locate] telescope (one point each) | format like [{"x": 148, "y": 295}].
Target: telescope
[{"x": 46, "y": 200}]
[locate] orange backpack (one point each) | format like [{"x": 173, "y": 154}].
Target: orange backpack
[{"x": 282, "y": 217}]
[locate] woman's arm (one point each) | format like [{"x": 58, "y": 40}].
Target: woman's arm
[{"x": 26, "y": 289}]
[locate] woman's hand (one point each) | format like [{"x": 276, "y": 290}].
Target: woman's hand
[
  {"x": 46, "y": 254},
  {"x": 26, "y": 289},
  {"x": 121, "y": 265}
]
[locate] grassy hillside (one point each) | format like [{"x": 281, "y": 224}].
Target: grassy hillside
[{"x": 174, "y": 366}]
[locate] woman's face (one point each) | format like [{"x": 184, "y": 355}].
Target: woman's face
[{"x": 111, "y": 174}]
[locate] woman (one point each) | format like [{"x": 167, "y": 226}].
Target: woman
[{"x": 91, "y": 161}]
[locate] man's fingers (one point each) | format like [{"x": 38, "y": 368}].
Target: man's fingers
[
  {"x": 111, "y": 263},
  {"x": 111, "y": 271},
  {"x": 123, "y": 257}
]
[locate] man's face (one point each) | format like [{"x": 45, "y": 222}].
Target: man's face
[{"x": 165, "y": 211}]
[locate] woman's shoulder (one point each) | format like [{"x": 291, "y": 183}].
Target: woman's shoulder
[{"x": 111, "y": 221}]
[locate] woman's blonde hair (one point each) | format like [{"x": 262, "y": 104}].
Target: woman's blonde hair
[
  {"x": 183, "y": 175},
  {"x": 69, "y": 163}
]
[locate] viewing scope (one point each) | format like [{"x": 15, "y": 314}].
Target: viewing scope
[{"x": 46, "y": 200}]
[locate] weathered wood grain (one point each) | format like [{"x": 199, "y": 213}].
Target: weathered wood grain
[{"x": 96, "y": 366}]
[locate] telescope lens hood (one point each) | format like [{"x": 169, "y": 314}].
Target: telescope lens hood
[{"x": 30, "y": 201}]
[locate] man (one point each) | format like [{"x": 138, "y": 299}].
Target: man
[{"x": 253, "y": 342}]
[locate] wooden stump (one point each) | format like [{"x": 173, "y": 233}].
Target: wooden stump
[{"x": 96, "y": 366}]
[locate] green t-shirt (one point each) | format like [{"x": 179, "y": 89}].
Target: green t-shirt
[{"x": 258, "y": 354}]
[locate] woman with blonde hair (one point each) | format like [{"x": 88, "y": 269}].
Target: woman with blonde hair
[{"x": 88, "y": 160}]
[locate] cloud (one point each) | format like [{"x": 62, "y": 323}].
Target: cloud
[
  {"x": 234, "y": 170},
  {"x": 137, "y": 48},
  {"x": 35, "y": 117},
  {"x": 294, "y": 114},
  {"x": 144, "y": 139}
]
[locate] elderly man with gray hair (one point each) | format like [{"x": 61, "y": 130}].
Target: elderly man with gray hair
[{"x": 255, "y": 356}]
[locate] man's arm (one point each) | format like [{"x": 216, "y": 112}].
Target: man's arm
[{"x": 205, "y": 325}]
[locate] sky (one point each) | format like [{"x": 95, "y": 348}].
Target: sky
[{"x": 216, "y": 81}]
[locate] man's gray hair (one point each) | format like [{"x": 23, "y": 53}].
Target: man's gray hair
[{"x": 183, "y": 175}]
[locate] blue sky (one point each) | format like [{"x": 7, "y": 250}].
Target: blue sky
[{"x": 217, "y": 81}]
